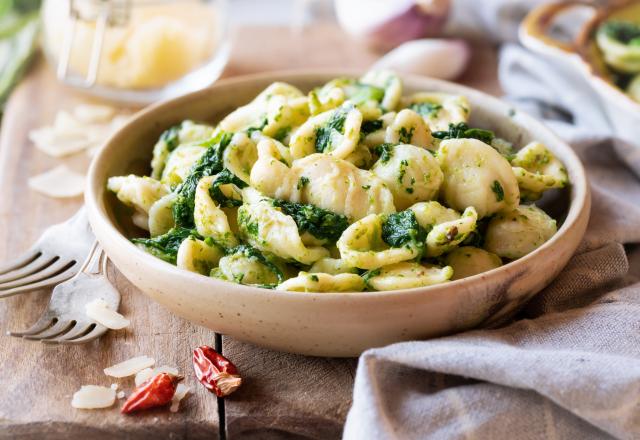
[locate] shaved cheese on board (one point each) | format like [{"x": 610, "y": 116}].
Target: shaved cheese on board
[
  {"x": 87, "y": 127},
  {"x": 143, "y": 375},
  {"x": 181, "y": 392},
  {"x": 130, "y": 366},
  {"x": 148, "y": 373},
  {"x": 93, "y": 113},
  {"x": 54, "y": 144},
  {"x": 93, "y": 397},
  {"x": 59, "y": 182}
]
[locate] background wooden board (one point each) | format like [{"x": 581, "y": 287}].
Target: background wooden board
[
  {"x": 284, "y": 395},
  {"x": 39, "y": 380}
]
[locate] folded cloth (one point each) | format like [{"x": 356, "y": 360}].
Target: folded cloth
[{"x": 569, "y": 368}]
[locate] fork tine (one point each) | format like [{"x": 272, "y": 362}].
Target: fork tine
[
  {"x": 39, "y": 285},
  {"x": 80, "y": 329},
  {"x": 47, "y": 272},
  {"x": 42, "y": 324},
  {"x": 97, "y": 331},
  {"x": 41, "y": 262},
  {"x": 17, "y": 263},
  {"x": 58, "y": 328}
]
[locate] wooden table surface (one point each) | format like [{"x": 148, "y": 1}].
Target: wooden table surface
[{"x": 283, "y": 395}]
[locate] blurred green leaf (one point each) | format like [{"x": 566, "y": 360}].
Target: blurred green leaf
[{"x": 19, "y": 26}]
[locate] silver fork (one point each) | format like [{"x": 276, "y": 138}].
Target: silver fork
[
  {"x": 65, "y": 321},
  {"x": 55, "y": 257}
]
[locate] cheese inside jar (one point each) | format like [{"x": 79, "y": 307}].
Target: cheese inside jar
[{"x": 133, "y": 44}]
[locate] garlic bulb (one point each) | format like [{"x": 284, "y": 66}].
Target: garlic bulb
[
  {"x": 386, "y": 23},
  {"x": 437, "y": 58}
]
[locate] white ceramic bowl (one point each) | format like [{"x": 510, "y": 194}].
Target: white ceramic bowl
[
  {"x": 330, "y": 324},
  {"x": 580, "y": 57}
]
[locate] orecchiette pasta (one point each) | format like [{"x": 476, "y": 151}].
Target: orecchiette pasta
[
  {"x": 440, "y": 109},
  {"x": 537, "y": 170},
  {"x": 197, "y": 256},
  {"x": 408, "y": 127},
  {"x": 467, "y": 261},
  {"x": 179, "y": 163},
  {"x": 210, "y": 220},
  {"x": 513, "y": 234},
  {"x": 243, "y": 269},
  {"x": 254, "y": 114},
  {"x": 188, "y": 132},
  {"x": 391, "y": 84},
  {"x": 324, "y": 181},
  {"x": 378, "y": 132},
  {"x": 161, "y": 216},
  {"x": 240, "y": 156},
  {"x": 326, "y": 98},
  {"x": 361, "y": 245},
  {"x": 335, "y": 132},
  {"x": 408, "y": 275},
  {"x": 268, "y": 229},
  {"x": 433, "y": 213},
  {"x": 411, "y": 173},
  {"x": 324, "y": 282},
  {"x": 476, "y": 175},
  {"x": 446, "y": 236},
  {"x": 138, "y": 192},
  {"x": 284, "y": 114},
  {"x": 332, "y": 266},
  {"x": 345, "y": 189}
]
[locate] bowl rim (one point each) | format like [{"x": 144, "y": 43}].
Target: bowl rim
[{"x": 579, "y": 204}]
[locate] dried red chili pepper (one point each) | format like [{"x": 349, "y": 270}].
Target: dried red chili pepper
[
  {"x": 215, "y": 372},
  {"x": 157, "y": 391}
]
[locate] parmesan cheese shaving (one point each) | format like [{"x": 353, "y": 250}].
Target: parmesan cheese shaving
[
  {"x": 92, "y": 113},
  {"x": 87, "y": 127},
  {"x": 100, "y": 311},
  {"x": 148, "y": 373},
  {"x": 143, "y": 375},
  {"x": 130, "y": 366},
  {"x": 60, "y": 182},
  {"x": 181, "y": 392},
  {"x": 120, "y": 394},
  {"x": 47, "y": 140},
  {"x": 93, "y": 396}
]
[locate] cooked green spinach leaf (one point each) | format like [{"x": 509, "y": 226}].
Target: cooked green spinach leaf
[
  {"x": 320, "y": 223},
  {"x": 625, "y": 32},
  {"x": 254, "y": 254},
  {"x": 335, "y": 124},
  {"x": 222, "y": 178},
  {"x": 209, "y": 164},
  {"x": 402, "y": 228},
  {"x": 171, "y": 137},
  {"x": 360, "y": 93},
  {"x": 426, "y": 108},
  {"x": 462, "y": 131},
  {"x": 166, "y": 246}
]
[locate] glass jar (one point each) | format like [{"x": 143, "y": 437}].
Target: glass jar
[{"x": 136, "y": 51}]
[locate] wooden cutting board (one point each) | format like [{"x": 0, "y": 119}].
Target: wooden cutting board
[{"x": 283, "y": 395}]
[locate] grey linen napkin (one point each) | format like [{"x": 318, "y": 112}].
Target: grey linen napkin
[{"x": 569, "y": 368}]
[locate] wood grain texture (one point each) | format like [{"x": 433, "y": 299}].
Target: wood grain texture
[
  {"x": 286, "y": 395},
  {"x": 39, "y": 380},
  {"x": 283, "y": 395}
]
